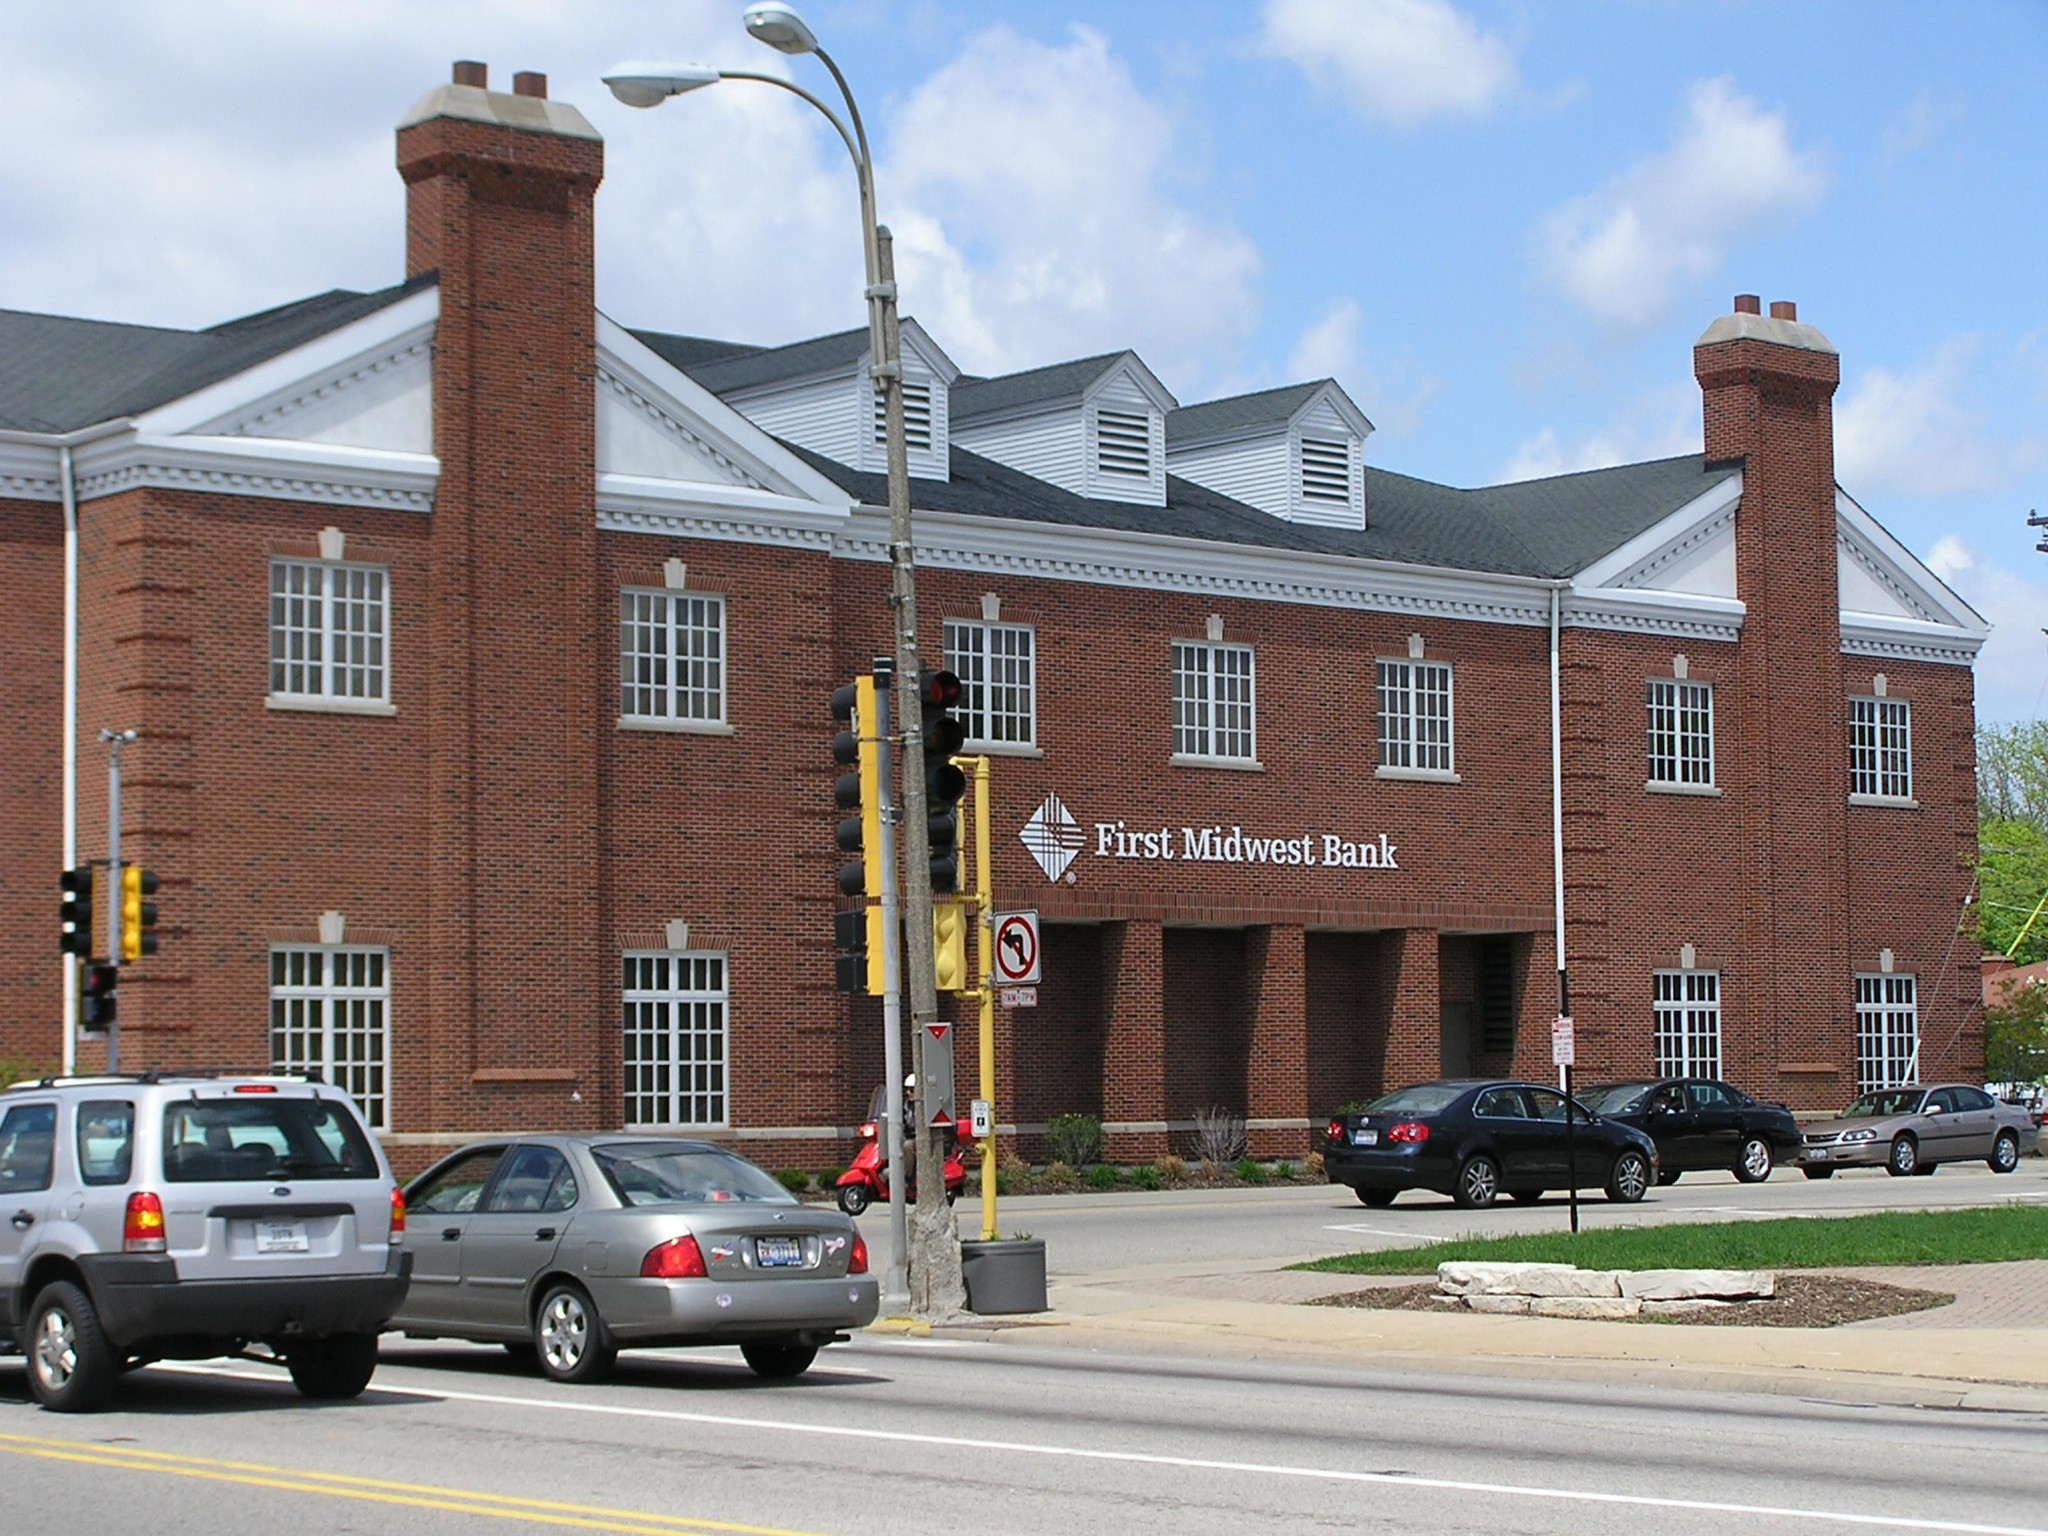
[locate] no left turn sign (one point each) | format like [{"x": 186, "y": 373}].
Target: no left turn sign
[{"x": 1016, "y": 937}]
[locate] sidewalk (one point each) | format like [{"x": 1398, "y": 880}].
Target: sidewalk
[{"x": 1988, "y": 1350}]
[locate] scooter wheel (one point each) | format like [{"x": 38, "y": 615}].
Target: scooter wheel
[{"x": 853, "y": 1198}]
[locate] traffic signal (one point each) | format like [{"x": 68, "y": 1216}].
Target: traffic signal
[
  {"x": 75, "y": 913},
  {"x": 96, "y": 985},
  {"x": 138, "y": 917},
  {"x": 938, "y": 693},
  {"x": 859, "y": 747},
  {"x": 949, "y": 946},
  {"x": 858, "y": 932}
]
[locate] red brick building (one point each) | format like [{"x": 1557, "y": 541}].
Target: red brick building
[{"x": 479, "y": 648}]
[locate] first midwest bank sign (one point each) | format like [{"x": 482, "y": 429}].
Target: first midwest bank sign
[{"x": 1056, "y": 838}]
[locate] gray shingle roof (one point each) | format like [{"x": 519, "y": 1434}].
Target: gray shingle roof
[
  {"x": 692, "y": 352},
  {"x": 1268, "y": 407},
  {"x": 63, "y": 373},
  {"x": 744, "y": 367},
  {"x": 972, "y": 397}
]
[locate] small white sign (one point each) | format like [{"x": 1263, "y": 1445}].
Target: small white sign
[
  {"x": 982, "y": 1119},
  {"x": 1019, "y": 997},
  {"x": 1561, "y": 1041},
  {"x": 1016, "y": 942}
]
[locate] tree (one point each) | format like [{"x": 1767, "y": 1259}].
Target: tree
[
  {"x": 2012, "y": 772},
  {"x": 2012, "y": 877},
  {"x": 2016, "y": 1032}
]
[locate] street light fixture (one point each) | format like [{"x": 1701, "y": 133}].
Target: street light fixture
[{"x": 935, "y": 1244}]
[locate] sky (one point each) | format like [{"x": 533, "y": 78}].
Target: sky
[{"x": 1501, "y": 226}]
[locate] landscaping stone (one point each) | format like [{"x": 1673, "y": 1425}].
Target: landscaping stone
[
  {"x": 1605, "y": 1308},
  {"x": 1472, "y": 1278},
  {"x": 1693, "y": 1284},
  {"x": 1526, "y": 1280},
  {"x": 1518, "y": 1305}
]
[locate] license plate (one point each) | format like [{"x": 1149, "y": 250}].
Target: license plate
[
  {"x": 281, "y": 1237},
  {"x": 778, "y": 1252},
  {"x": 1364, "y": 1138}
]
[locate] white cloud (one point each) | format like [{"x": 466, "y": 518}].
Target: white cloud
[
  {"x": 1398, "y": 62},
  {"x": 2013, "y": 665},
  {"x": 1915, "y": 433},
  {"x": 1388, "y": 386},
  {"x": 1665, "y": 424},
  {"x": 1922, "y": 124},
  {"x": 1029, "y": 190},
  {"x": 1329, "y": 348},
  {"x": 1621, "y": 252}
]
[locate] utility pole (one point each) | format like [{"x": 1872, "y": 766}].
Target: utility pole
[{"x": 115, "y": 741}]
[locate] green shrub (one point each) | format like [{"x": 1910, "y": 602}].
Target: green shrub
[
  {"x": 1074, "y": 1139},
  {"x": 829, "y": 1177},
  {"x": 1006, "y": 1183},
  {"x": 1102, "y": 1176},
  {"x": 795, "y": 1180},
  {"x": 1145, "y": 1178},
  {"x": 1250, "y": 1171},
  {"x": 1284, "y": 1171},
  {"x": 21, "y": 1069},
  {"x": 1063, "y": 1175}
]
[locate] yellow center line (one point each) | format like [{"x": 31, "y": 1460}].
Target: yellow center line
[{"x": 378, "y": 1490}]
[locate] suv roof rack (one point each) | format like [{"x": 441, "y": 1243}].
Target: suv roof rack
[{"x": 165, "y": 1075}]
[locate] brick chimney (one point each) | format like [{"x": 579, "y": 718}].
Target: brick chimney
[
  {"x": 499, "y": 204},
  {"x": 1767, "y": 383}
]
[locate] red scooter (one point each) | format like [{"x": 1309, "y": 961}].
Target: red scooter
[{"x": 868, "y": 1179}]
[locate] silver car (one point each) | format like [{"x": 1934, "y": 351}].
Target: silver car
[
  {"x": 569, "y": 1248},
  {"x": 1915, "y": 1129}
]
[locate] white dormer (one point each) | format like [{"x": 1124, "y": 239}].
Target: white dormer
[
  {"x": 1296, "y": 452},
  {"x": 1096, "y": 427},
  {"x": 820, "y": 395}
]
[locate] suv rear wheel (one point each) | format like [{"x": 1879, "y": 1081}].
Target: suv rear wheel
[
  {"x": 71, "y": 1367},
  {"x": 336, "y": 1367}
]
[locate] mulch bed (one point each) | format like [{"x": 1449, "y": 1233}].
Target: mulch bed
[{"x": 1803, "y": 1301}]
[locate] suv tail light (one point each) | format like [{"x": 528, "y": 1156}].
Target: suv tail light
[
  {"x": 677, "y": 1259},
  {"x": 142, "y": 1228},
  {"x": 397, "y": 1216},
  {"x": 1335, "y": 1129},
  {"x": 1409, "y": 1130},
  {"x": 857, "y": 1261}
]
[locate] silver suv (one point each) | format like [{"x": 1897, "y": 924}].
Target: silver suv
[{"x": 184, "y": 1215}]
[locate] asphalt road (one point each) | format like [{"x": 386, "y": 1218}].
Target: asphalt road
[
  {"x": 966, "y": 1437},
  {"x": 1126, "y": 1237}
]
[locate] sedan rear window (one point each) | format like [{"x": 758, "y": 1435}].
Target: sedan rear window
[
  {"x": 1425, "y": 1099},
  {"x": 668, "y": 1173},
  {"x": 1621, "y": 1099},
  {"x": 268, "y": 1136}
]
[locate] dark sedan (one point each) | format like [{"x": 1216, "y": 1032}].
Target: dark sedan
[
  {"x": 1475, "y": 1140},
  {"x": 1700, "y": 1123}
]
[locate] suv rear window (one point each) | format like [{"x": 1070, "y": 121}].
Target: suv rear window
[{"x": 267, "y": 1136}]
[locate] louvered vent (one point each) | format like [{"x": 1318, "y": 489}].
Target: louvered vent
[
  {"x": 1325, "y": 470},
  {"x": 917, "y": 417},
  {"x": 1123, "y": 443}
]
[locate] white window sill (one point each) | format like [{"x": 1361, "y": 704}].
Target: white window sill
[
  {"x": 718, "y": 1132},
  {"x": 1659, "y": 787},
  {"x": 1900, "y": 802},
  {"x": 313, "y": 706},
  {"x": 1190, "y": 760},
  {"x": 675, "y": 727},
  {"x": 1419, "y": 775},
  {"x": 1001, "y": 749}
]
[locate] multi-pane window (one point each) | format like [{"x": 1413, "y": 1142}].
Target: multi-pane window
[
  {"x": 1881, "y": 748},
  {"x": 672, "y": 656},
  {"x": 1687, "y": 1031},
  {"x": 998, "y": 701},
  {"x": 1415, "y": 715},
  {"x": 1212, "y": 700},
  {"x": 1681, "y": 732},
  {"x": 675, "y": 1042},
  {"x": 1887, "y": 1031},
  {"x": 328, "y": 626},
  {"x": 330, "y": 1013}
]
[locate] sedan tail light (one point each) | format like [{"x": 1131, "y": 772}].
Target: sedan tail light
[
  {"x": 1335, "y": 1129},
  {"x": 1409, "y": 1130},
  {"x": 397, "y": 1216},
  {"x": 677, "y": 1259},
  {"x": 857, "y": 1261},
  {"x": 142, "y": 1228}
]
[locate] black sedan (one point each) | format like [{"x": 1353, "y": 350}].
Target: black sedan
[
  {"x": 1699, "y": 1123},
  {"x": 1474, "y": 1140}
]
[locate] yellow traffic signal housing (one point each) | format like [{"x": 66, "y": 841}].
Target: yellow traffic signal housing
[
  {"x": 860, "y": 791},
  {"x": 949, "y": 946},
  {"x": 137, "y": 916}
]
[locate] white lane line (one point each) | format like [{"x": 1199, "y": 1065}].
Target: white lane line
[{"x": 1190, "y": 1463}]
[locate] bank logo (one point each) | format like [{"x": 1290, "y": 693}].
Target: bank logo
[{"x": 1054, "y": 838}]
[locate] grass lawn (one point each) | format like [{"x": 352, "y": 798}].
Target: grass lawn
[{"x": 1887, "y": 1237}]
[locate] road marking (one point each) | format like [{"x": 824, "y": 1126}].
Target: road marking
[
  {"x": 464, "y": 1501},
  {"x": 1150, "y": 1459}
]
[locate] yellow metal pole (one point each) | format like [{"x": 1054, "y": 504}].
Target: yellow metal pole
[
  {"x": 2025, "y": 928},
  {"x": 985, "y": 954}
]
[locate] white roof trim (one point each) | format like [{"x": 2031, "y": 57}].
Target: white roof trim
[
  {"x": 259, "y": 466},
  {"x": 1894, "y": 566},
  {"x": 1662, "y": 542},
  {"x": 1132, "y": 367}
]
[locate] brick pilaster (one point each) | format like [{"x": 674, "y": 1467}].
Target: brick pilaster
[
  {"x": 1276, "y": 987},
  {"x": 1134, "y": 1058}
]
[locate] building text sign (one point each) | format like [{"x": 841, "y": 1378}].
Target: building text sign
[{"x": 1233, "y": 845}]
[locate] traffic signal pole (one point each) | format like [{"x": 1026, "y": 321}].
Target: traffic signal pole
[
  {"x": 115, "y": 740},
  {"x": 985, "y": 963},
  {"x": 896, "y": 1283}
]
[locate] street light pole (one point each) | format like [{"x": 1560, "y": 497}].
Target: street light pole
[{"x": 933, "y": 1241}]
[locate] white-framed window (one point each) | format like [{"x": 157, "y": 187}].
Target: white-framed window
[
  {"x": 330, "y": 1012},
  {"x": 1681, "y": 733},
  {"x": 1687, "y": 1032},
  {"x": 1213, "y": 701},
  {"x": 675, "y": 1037},
  {"x": 1887, "y": 1031},
  {"x": 329, "y": 624},
  {"x": 671, "y": 656},
  {"x": 1881, "y": 748},
  {"x": 998, "y": 694},
  {"x": 1415, "y": 715}
]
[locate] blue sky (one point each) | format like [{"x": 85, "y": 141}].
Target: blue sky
[{"x": 1501, "y": 226}]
